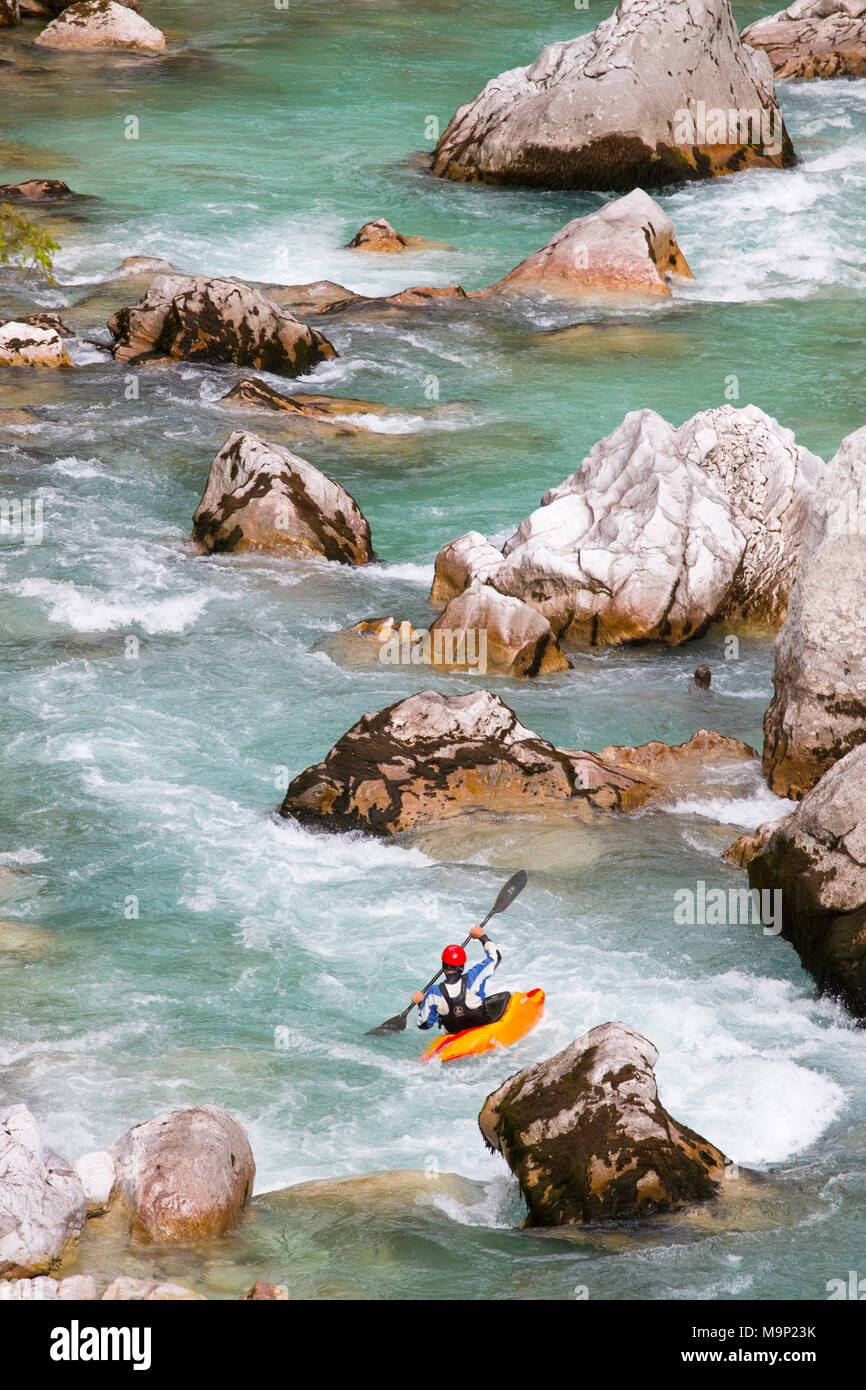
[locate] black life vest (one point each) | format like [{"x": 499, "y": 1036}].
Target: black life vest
[{"x": 460, "y": 1015}]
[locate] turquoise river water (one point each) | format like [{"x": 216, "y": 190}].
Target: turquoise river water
[{"x": 143, "y": 775}]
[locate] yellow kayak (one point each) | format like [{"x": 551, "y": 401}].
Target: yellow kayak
[{"x": 521, "y": 1014}]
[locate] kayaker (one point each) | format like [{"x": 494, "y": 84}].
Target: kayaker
[{"x": 458, "y": 1003}]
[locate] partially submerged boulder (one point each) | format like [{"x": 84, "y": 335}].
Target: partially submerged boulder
[
  {"x": 627, "y": 247},
  {"x": 480, "y": 631},
  {"x": 816, "y": 858},
  {"x": 200, "y": 318},
  {"x": 746, "y": 847},
  {"x": 35, "y": 190},
  {"x": 818, "y": 711},
  {"x": 28, "y": 345},
  {"x": 378, "y": 235},
  {"x": 588, "y": 1139},
  {"x": 492, "y": 632},
  {"x": 42, "y": 1202},
  {"x": 101, "y": 24},
  {"x": 813, "y": 38},
  {"x": 184, "y": 1176},
  {"x": 259, "y": 496},
  {"x": 661, "y": 92},
  {"x": 659, "y": 532},
  {"x": 433, "y": 757}
]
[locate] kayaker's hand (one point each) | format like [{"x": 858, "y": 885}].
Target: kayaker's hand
[
  {"x": 477, "y": 932},
  {"x": 417, "y": 997}
]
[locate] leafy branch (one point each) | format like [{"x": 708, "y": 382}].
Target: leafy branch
[{"x": 24, "y": 244}]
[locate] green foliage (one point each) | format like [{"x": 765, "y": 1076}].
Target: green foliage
[{"x": 23, "y": 243}]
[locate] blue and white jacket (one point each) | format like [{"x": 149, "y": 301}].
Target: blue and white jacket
[{"x": 477, "y": 980}]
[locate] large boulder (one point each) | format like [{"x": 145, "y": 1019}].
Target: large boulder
[
  {"x": 813, "y": 38},
  {"x": 199, "y": 318},
  {"x": 588, "y": 1139},
  {"x": 259, "y": 496},
  {"x": 627, "y": 247},
  {"x": 818, "y": 711},
  {"x": 28, "y": 345},
  {"x": 662, "y": 91},
  {"x": 42, "y": 1202},
  {"x": 433, "y": 757},
  {"x": 660, "y": 531},
  {"x": 502, "y": 634},
  {"x": 816, "y": 857},
  {"x": 101, "y": 24},
  {"x": 184, "y": 1176}
]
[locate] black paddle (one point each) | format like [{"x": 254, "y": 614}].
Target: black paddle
[{"x": 506, "y": 897}]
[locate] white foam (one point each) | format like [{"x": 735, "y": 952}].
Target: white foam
[
  {"x": 742, "y": 812},
  {"x": 87, "y": 610}
]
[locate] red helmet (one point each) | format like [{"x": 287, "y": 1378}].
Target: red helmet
[{"x": 454, "y": 955}]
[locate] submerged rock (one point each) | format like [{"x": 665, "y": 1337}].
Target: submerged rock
[
  {"x": 816, "y": 857},
  {"x": 659, "y": 532},
  {"x": 627, "y": 247},
  {"x": 345, "y": 416},
  {"x": 262, "y": 1291},
  {"x": 27, "y": 345},
  {"x": 589, "y": 1140},
  {"x": 818, "y": 711},
  {"x": 200, "y": 318},
  {"x": 813, "y": 38},
  {"x": 76, "y": 1288},
  {"x": 42, "y": 1202},
  {"x": 326, "y": 297},
  {"x": 433, "y": 757},
  {"x": 259, "y": 496},
  {"x": 184, "y": 1176},
  {"x": 132, "y": 266},
  {"x": 101, "y": 24},
  {"x": 127, "y": 1289},
  {"x": 661, "y": 92}
]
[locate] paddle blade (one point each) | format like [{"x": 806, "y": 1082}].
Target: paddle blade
[
  {"x": 391, "y": 1025},
  {"x": 509, "y": 892}
]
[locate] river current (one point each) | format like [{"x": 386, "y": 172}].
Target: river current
[{"x": 174, "y": 942}]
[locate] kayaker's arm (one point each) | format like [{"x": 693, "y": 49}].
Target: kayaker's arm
[
  {"x": 478, "y": 978},
  {"x": 428, "y": 1011}
]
